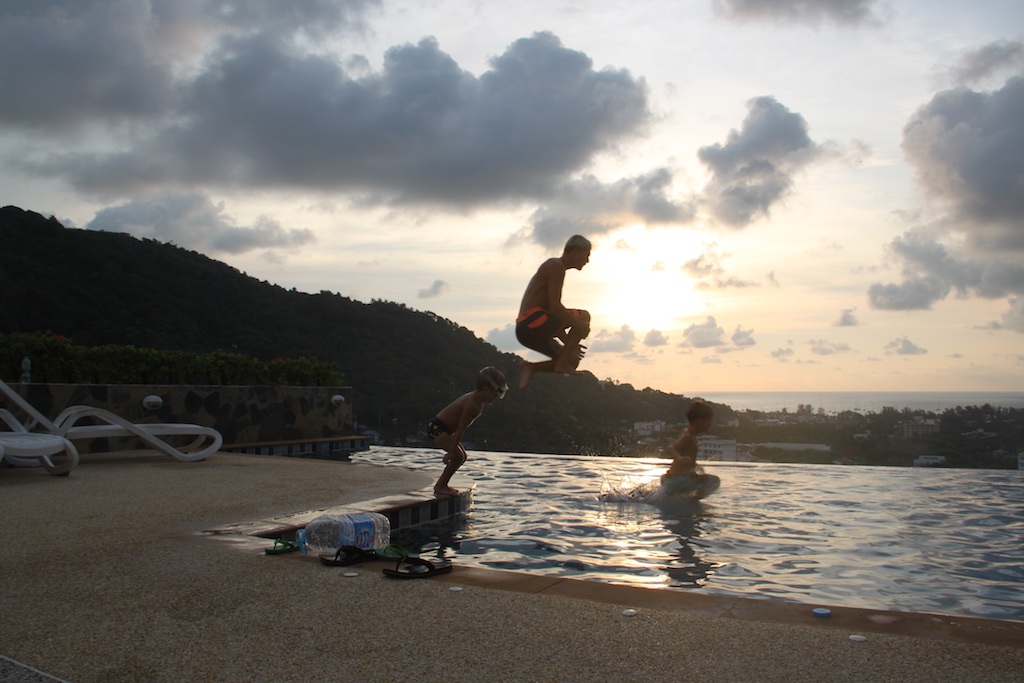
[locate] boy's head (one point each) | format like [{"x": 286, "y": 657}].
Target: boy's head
[
  {"x": 491, "y": 378},
  {"x": 699, "y": 410}
]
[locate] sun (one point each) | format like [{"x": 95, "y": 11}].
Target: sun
[{"x": 641, "y": 286}]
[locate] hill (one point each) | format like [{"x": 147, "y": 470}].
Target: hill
[{"x": 404, "y": 365}]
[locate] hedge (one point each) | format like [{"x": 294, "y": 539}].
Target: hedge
[{"x": 56, "y": 360}]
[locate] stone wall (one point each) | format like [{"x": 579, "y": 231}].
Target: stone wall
[{"x": 242, "y": 414}]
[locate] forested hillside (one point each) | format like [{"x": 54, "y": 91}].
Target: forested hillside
[{"x": 404, "y": 365}]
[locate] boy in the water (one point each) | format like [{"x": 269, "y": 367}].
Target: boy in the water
[
  {"x": 684, "y": 470},
  {"x": 451, "y": 423}
]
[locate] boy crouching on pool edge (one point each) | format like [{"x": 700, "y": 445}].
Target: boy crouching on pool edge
[
  {"x": 451, "y": 423},
  {"x": 684, "y": 451}
]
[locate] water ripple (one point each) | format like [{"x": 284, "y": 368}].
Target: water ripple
[{"x": 924, "y": 540}]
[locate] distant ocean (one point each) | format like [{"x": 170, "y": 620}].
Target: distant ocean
[{"x": 865, "y": 402}]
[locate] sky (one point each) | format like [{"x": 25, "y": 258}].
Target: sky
[{"x": 783, "y": 195}]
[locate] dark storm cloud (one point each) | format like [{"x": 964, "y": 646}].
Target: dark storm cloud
[
  {"x": 977, "y": 65},
  {"x": 804, "y": 11},
  {"x": 65, "y": 64},
  {"x": 265, "y": 114},
  {"x": 753, "y": 170},
  {"x": 590, "y": 207},
  {"x": 194, "y": 222},
  {"x": 312, "y": 17}
]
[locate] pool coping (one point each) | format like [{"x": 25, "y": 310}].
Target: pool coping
[{"x": 424, "y": 506}]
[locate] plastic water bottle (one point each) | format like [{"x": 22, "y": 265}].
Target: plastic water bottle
[{"x": 366, "y": 530}]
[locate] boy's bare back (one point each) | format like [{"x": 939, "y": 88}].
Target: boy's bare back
[{"x": 462, "y": 411}]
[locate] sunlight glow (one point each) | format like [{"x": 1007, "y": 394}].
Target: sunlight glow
[{"x": 646, "y": 287}]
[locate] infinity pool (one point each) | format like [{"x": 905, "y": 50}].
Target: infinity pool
[{"x": 924, "y": 540}]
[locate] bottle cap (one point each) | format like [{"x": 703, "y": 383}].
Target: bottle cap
[{"x": 822, "y": 612}]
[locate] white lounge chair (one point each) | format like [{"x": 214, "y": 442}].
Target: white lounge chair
[
  {"x": 20, "y": 447},
  {"x": 110, "y": 425}
]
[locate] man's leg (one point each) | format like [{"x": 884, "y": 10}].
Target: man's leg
[
  {"x": 568, "y": 359},
  {"x": 527, "y": 370}
]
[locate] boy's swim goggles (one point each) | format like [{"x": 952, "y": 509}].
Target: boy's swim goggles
[{"x": 494, "y": 385}]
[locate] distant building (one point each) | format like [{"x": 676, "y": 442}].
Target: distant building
[
  {"x": 722, "y": 450},
  {"x": 929, "y": 460},
  {"x": 649, "y": 428},
  {"x": 920, "y": 427},
  {"x": 819, "y": 447}
]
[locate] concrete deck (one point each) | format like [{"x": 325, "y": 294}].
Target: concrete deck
[{"x": 112, "y": 574}]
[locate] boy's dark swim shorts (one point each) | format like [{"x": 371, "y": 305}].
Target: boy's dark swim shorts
[{"x": 436, "y": 428}]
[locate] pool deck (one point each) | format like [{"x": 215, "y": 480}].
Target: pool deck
[{"x": 116, "y": 574}]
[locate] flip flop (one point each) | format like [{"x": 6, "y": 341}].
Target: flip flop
[
  {"x": 282, "y": 546},
  {"x": 346, "y": 555},
  {"x": 418, "y": 568}
]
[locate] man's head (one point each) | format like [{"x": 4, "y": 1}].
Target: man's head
[{"x": 577, "y": 252}]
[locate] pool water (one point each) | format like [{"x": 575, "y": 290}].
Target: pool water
[{"x": 941, "y": 541}]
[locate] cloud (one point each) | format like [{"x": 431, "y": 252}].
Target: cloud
[
  {"x": 1013, "y": 319},
  {"x": 119, "y": 61},
  {"x": 585, "y": 205},
  {"x": 260, "y": 111},
  {"x": 504, "y": 338},
  {"x": 800, "y": 11},
  {"x": 707, "y": 269},
  {"x": 753, "y": 170},
  {"x": 743, "y": 337},
  {"x": 655, "y": 338},
  {"x": 977, "y": 65},
  {"x": 705, "y": 265},
  {"x": 435, "y": 290},
  {"x": 823, "y": 347},
  {"x": 930, "y": 273},
  {"x": 614, "y": 342},
  {"x": 846, "y": 318},
  {"x": 902, "y": 346},
  {"x": 782, "y": 355},
  {"x": 968, "y": 150},
  {"x": 704, "y": 335},
  {"x": 195, "y": 222}
]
